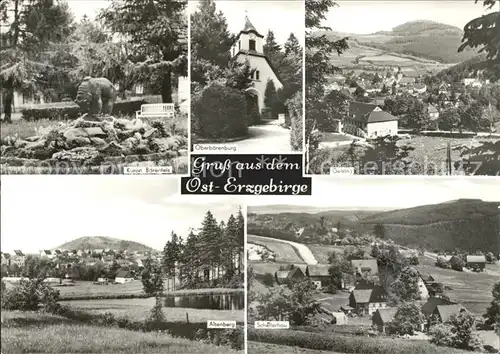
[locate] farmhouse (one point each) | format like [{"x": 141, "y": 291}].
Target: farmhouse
[
  {"x": 369, "y": 120},
  {"x": 429, "y": 308},
  {"x": 249, "y": 45},
  {"x": 365, "y": 266},
  {"x": 6, "y": 259},
  {"x": 443, "y": 313},
  {"x": 419, "y": 88},
  {"x": 18, "y": 258},
  {"x": 340, "y": 318},
  {"x": 124, "y": 276},
  {"x": 289, "y": 276},
  {"x": 367, "y": 301},
  {"x": 318, "y": 274},
  {"x": 382, "y": 317},
  {"x": 476, "y": 262},
  {"x": 404, "y": 81}
]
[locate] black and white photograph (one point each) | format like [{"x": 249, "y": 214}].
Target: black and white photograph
[
  {"x": 119, "y": 265},
  {"x": 402, "y": 87},
  {"x": 246, "y": 76},
  {"x": 94, "y": 87},
  {"x": 382, "y": 266}
]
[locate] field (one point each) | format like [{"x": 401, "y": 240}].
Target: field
[
  {"x": 258, "y": 348},
  {"x": 473, "y": 290},
  {"x": 138, "y": 309},
  {"x": 283, "y": 251},
  {"x": 89, "y": 288},
  {"x": 40, "y": 333}
]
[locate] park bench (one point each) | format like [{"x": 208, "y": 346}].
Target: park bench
[{"x": 156, "y": 110}]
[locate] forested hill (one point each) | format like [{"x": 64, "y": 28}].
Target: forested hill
[{"x": 422, "y": 38}]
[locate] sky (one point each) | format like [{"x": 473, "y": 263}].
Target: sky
[
  {"x": 281, "y": 16},
  {"x": 43, "y": 212},
  {"x": 369, "y": 16},
  {"x": 86, "y": 7}
]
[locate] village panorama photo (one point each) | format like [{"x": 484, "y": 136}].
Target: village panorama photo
[
  {"x": 119, "y": 265},
  {"x": 246, "y": 76},
  {"x": 402, "y": 88},
  {"x": 86, "y": 87},
  {"x": 412, "y": 271}
]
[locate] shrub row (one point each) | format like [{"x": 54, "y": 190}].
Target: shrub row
[
  {"x": 347, "y": 344},
  {"x": 103, "y": 296},
  {"x": 70, "y": 110},
  {"x": 219, "y": 112},
  {"x": 191, "y": 331}
]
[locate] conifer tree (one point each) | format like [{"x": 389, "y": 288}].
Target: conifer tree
[{"x": 292, "y": 46}]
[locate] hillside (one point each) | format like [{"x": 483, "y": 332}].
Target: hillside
[
  {"x": 425, "y": 39},
  {"x": 467, "y": 224},
  {"x": 101, "y": 242}
]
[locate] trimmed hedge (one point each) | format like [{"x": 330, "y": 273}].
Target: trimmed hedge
[
  {"x": 70, "y": 110},
  {"x": 347, "y": 344},
  {"x": 52, "y": 111},
  {"x": 219, "y": 112}
]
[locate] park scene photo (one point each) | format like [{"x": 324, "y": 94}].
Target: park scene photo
[
  {"x": 246, "y": 76},
  {"x": 402, "y": 88},
  {"x": 150, "y": 284},
  {"x": 412, "y": 271},
  {"x": 86, "y": 87}
]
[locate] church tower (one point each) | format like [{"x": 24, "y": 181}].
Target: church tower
[{"x": 249, "y": 45}]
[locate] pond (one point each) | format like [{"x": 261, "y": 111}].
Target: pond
[{"x": 211, "y": 302}]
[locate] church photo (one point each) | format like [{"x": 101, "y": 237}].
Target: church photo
[{"x": 246, "y": 77}]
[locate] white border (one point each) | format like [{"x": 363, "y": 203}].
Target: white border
[
  {"x": 304, "y": 94},
  {"x": 188, "y": 13},
  {"x": 244, "y": 210}
]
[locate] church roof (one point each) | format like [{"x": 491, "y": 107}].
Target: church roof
[{"x": 249, "y": 27}]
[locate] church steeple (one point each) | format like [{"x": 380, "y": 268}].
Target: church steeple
[{"x": 249, "y": 40}]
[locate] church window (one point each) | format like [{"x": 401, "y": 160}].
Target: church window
[
  {"x": 239, "y": 45},
  {"x": 257, "y": 75},
  {"x": 251, "y": 44}
]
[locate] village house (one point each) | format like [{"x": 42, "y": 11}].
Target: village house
[
  {"x": 430, "y": 306},
  {"x": 367, "y": 301},
  {"x": 419, "y": 88},
  {"x": 124, "y": 276},
  {"x": 369, "y": 120},
  {"x": 18, "y": 258},
  {"x": 339, "y": 318},
  {"x": 318, "y": 274},
  {"x": 405, "y": 81},
  {"x": 471, "y": 82},
  {"x": 249, "y": 45},
  {"x": 443, "y": 313},
  {"x": 48, "y": 254},
  {"x": 382, "y": 317},
  {"x": 289, "y": 276},
  {"x": 476, "y": 262}
]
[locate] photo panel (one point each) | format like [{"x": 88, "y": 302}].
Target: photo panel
[
  {"x": 402, "y": 88},
  {"x": 124, "y": 265},
  {"x": 383, "y": 264},
  {"x": 246, "y": 77},
  {"x": 94, "y": 87}
]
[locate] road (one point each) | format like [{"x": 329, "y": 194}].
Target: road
[
  {"x": 304, "y": 251},
  {"x": 268, "y": 138}
]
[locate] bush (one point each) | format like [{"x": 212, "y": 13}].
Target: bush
[
  {"x": 219, "y": 112},
  {"x": 51, "y": 111},
  {"x": 29, "y": 295},
  {"x": 457, "y": 263},
  {"x": 268, "y": 279},
  {"x": 297, "y": 124},
  {"x": 127, "y": 107}
]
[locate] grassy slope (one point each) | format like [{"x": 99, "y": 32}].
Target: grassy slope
[
  {"x": 138, "y": 309},
  {"x": 35, "y": 332},
  {"x": 101, "y": 242},
  {"x": 259, "y": 348},
  {"x": 285, "y": 253}
]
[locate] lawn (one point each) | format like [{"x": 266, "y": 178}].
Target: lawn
[
  {"x": 259, "y": 348},
  {"x": 335, "y": 137},
  {"x": 321, "y": 252},
  {"x": 89, "y": 288},
  {"x": 138, "y": 309},
  {"x": 40, "y": 333},
  {"x": 261, "y": 268},
  {"x": 283, "y": 251}
]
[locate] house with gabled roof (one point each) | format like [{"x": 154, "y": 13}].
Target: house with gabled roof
[
  {"x": 289, "y": 276},
  {"x": 124, "y": 276},
  {"x": 369, "y": 120},
  {"x": 365, "y": 266},
  {"x": 443, "y": 313},
  {"x": 382, "y": 317},
  {"x": 319, "y": 274},
  {"x": 6, "y": 259},
  {"x": 47, "y": 254},
  {"x": 367, "y": 301}
]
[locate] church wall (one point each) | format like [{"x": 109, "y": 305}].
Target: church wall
[{"x": 266, "y": 72}]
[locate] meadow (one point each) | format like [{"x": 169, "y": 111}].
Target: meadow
[
  {"x": 268, "y": 348},
  {"x": 138, "y": 309},
  {"x": 29, "y": 332}
]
